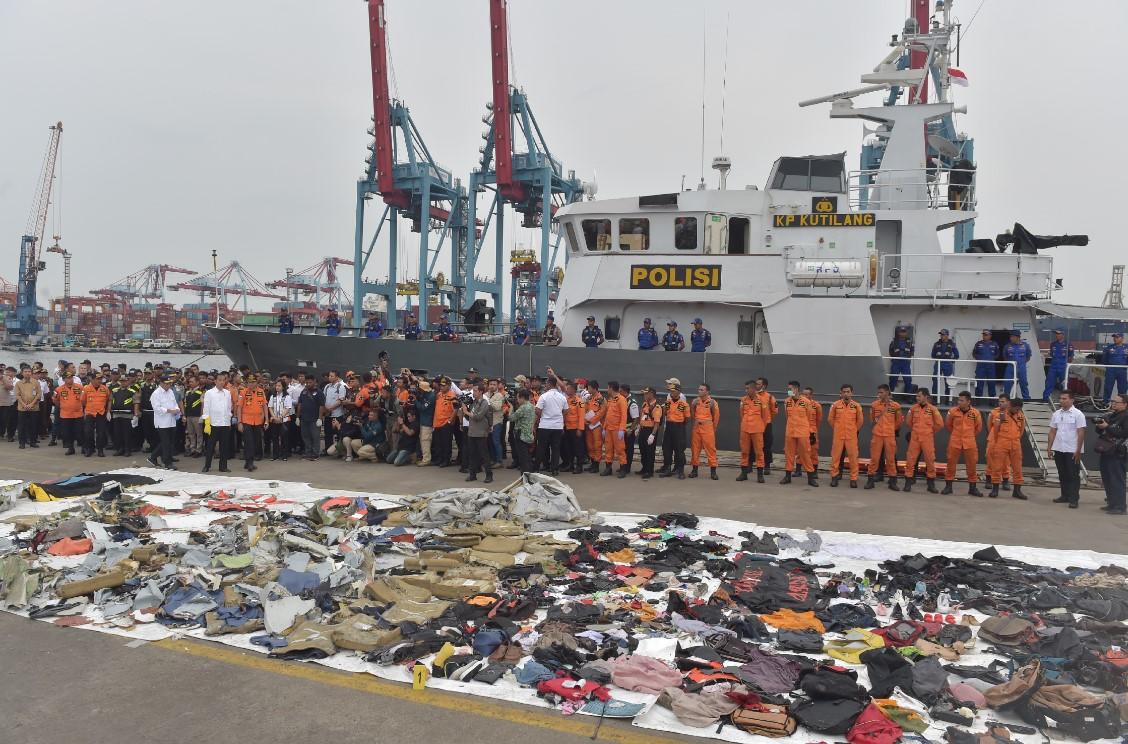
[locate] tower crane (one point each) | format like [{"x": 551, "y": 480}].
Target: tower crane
[
  {"x": 56, "y": 248},
  {"x": 25, "y": 323}
]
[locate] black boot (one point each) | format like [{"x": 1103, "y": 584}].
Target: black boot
[
  {"x": 743, "y": 474},
  {"x": 785, "y": 479},
  {"x": 869, "y": 483},
  {"x": 880, "y": 477},
  {"x": 834, "y": 481},
  {"x": 767, "y": 468},
  {"x": 947, "y": 488},
  {"x": 664, "y": 474},
  {"x": 693, "y": 472},
  {"x": 813, "y": 480},
  {"x": 932, "y": 486},
  {"x": 908, "y": 487},
  {"x": 893, "y": 484},
  {"x": 594, "y": 467},
  {"x": 994, "y": 491},
  {"x": 606, "y": 469},
  {"x": 1006, "y": 484},
  {"x": 713, "y": 474},
  {"x": 853, "y": 484},
  {"x": 622, "y": 471},
  {"x": 577, "y": 470},
  {"x": 760, "y": 473},
  {"x": 70, "y": 451},
  {"x": 680, "y": 474},
  {"x": 52, "y": 443},
  {"x": 973, "y": 491},
  {"x": 1018, "y": 494}
]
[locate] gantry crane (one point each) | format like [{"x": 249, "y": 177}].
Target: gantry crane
[
  {"x": 56, "y": 248},
  {"x": 25, "y": 323},
  {"x": 532, "y": 182},
  {"x": 401, "y": 170},
  {"x": 231, "y": 280},
  {"x": 319, "y": 282},
  {"x": 148, "y": 283}
]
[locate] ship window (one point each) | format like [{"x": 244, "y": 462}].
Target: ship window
[
  {"x": 738, "y": 236},
  {"x": 611, "y": 328},
  {"x": 634, "y": 234},
  {"x": 685, "y": 233},
  {"x": 570, "y": 231},
  {"x": 793, "y": 174},
  {"x": 597, "y": 234},
  {"x": 826, "y": 175},
  {"x": 745, "y": 333}
]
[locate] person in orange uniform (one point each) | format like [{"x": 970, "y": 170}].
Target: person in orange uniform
[
  {"x": 95, "y": 406},
  {"x": 773, "y": 411},
  {"x": 816, "y": 421},
  {"x": 706, "y": 415},
  {"x": 650, "y": 422},
  {"x": 886, "y": 417},
  {"x": 924, "y": 421},
  {"x": 615, "y": 430},
  {"x": 673, "y": 440},
  {"x": 798, "y": 435},
  {"x": 252, "y": 412},
  {"x": 845, "y": 419},
  {"x": 963, "y": 424},
  {"x": 755, "y": 415},
  {"x": 593, "y": 423},
  {"x": 68, "y": 397},
  {"x": 445, "y": 423},
  {"x": 1004, "y": 445},
  {"x": 572, "y": 446}
]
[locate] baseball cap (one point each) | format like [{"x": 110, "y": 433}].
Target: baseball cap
[
  {"x": 646, "y": 320},
  {"x": 1117, "y": 334},
  {"x": 591, "y": 317},
  {"x": 1059, "y": 330},
  {"x": 424, "y": 386},
  {"x": 1016, "y": 332},
  {"x": 472, "y": 371},
  {"x": 581, "y": 381},
  {"x": 696, "y": 320},
  {"x": 673, "y": 381},
  {"x": 520, "y": 378},
  {"x": 648, "y": 389},
  {"x": 943, "y": 331},
  {"x": 673, "y": 323}
]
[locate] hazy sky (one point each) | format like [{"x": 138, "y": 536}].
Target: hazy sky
[{"x": 240, "y": 125}]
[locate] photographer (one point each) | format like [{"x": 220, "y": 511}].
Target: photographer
[
  {"x": 496, "y": 397},
  {"x": 479, "y": 414},
  {"x": 407, "y": 439},
  {"x": 1111, "y": 446}
]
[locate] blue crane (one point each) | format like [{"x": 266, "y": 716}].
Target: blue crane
[{"x": 25, "y": 322}]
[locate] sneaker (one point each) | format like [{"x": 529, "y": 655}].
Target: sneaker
[{"x": 152, "y": 462}]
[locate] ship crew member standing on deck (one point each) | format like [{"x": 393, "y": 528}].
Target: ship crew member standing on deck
[
  {"x": 798, "y": 436},
  {"x": 1017, "y": 351},
  {"x": 374, "y": 328},
  {"x": 411, "y": 329},
  {"x": 647, "y": 336},
  {"x": 672, "y": 340},
  {"x": 706, "y": 417},
  {"x": 285, "y": 322},
  {"x": 699, "y": 338},
  {"x": 1061, "y": 354},
  {"x": 923, "y": 421},
  {"x": 901, "y": 348},
  {"x": 592, "y": 335},
  {"x": 333, "y": 323},
  {"x": 520, "y": 333},
  {"x": 986, "y": 354},
  {"x": 944, "y": 352},
  {"x": 444, "y": 332},
  {"x": 551, "y": 334},
  {"x": 1115, "y": 353},
  {"x": 845, "y": 419}
]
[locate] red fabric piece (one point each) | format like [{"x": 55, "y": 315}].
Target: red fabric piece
[
  {"x": 872, "y": 727},
  {"x": 574, "y": 690},
  {"x": 71, "y": 546}
]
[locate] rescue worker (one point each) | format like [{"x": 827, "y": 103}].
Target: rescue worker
[
  {"x": 647, "y": 336},
  {"x": 333, "y": 323},
  {"x": 699, "y": 338},
  {"x": 797, "y": 441},
  {"x": 592, "y": 335},
  {"x": 963, "y": 424},
  {"x": 1005, "y": 429},
  {"x": 986, "y": 354},
  {"x": 374, "y": 327},
  {"x": 901, "y": 349},
  {"x": 411, "y": 329},
  {"x": 95, "y": 406},
  {"x": 1115, "y": 353},
  {"x": 672, "y": 340},
  {"x": 706, "y": 416},
  {"x": 650, "y": 424},
  {"x": 886, "y": 417},
  {"x": 252, "y": 413},
  {"x": 615, "y": 430},
  {"x": 944, "y": 352},
  {"x": 444, "y": 422},
  {"x": 1061, "y": 354},
  {"x": 923, "y": 421},
  {"x": 573, "y": 446},
  {"x": 520, "y": 333},
  {"x": 755, "y": 415},
  {"x": 673, "y": 443},
  {"x": 68, "y": 397},
  {"x": 773, "y": 410},
  {"x": 551, "y": 334},
  {"x": 285, "y": 322},
  {"x": 593, "y": 423},
  {"x": 444, "y": 331},
  {"x": 1019, "y": 352},
  {"x": 845, "y": 419},
  {"x": 816, "y": 411}
]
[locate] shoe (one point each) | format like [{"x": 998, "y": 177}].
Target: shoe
[
  {"x": 207, "y": 468},
  {"x": 1117, "y": 512},
  {"x": 785, "y": 479},
  {"x": 713, "y": 474},
  {"x": 812, "y": 480},
  {"x": 253, "y": 467},
  {"x": 488, "y": 479},
  {"x": 645, "y": 475},
  {"x": 994, "y": 493},
  {"x": 34, "y": 445},
  {"x": 226, "y": 470},
  {"x": 272, "y": 459},
  {"x": 834, "y": 481},
  {"x": 681, "y": 475},
  {"x": 664, "y": 474},
  {"x": 1018, "y": 494},
  {"x": 1072, "y": 504},
  {"x": 768, "y": 469},
  {"x": 743, "y": 474},
  {"x": 152, "y": 462},
  {"x": 760, "y": 473},
  {"x": 893, "y": 485},
  {"x": 171, "y": 467},
  {"x": 606, "y": 470},
  {"x": 931, "y": 487},
  {"x": 22, "y": 445},
  {"x": 869, "y": 483},
  {"x": 1006, "y": 484},
  {"x": 972, "y": 490},
  {"x": 463, "y": 470},
  {"x": 471, "y": 477},
  {"x": 593, "y": 468},
  {"x": 348, "y": 458},
  {"x": 693, "y": 472},
  {"x": 1060, "y": 500},
  {"x": 284, "y": 459},
  {"x": 52, "y": 443},
  {"x": 853, "y": 484},
  {"x": 947, "y": 488},
  {"x": 70, "y": 451},
  {"x": 87, "y": 454},
  {"x": 577, "y": 470},
  {"x": 914, "y": 613},
  {"x": 622, "y": 473},
  {"x": 908, "y": 487}
]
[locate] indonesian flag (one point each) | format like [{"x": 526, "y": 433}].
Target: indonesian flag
[{"x": 957, "y": 76}]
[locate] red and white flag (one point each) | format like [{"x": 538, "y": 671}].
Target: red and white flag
[{"x": 957, "y": 76}]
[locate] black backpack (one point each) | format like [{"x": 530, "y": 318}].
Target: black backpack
[{"x": 828, "y": 716}]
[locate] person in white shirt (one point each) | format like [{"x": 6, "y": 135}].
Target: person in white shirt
[
  {"x": 293, "y": 439},
  {"x": 1066, "y": 443},
  {"x": 550, "y": 425},
  {"x": 166, "y": 412},
  {"x": 335, "y": 393},
  {"x": 219, "y": 409},
  {"x": 281, "y": 408}
]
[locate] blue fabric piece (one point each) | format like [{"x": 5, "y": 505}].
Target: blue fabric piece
[
  {"x": 187, "y": 605},
  {"x": 297, "y": 582},
  {"x": 236, "y": 616},
  {"x": 613, "y": 708},
  {"x": 270, "y": 641},
  {"x": 532, "y": 672},
  {"x": 486, "y": 641}
]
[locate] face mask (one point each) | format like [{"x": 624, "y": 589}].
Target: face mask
[{"x": 790, "y": 393}]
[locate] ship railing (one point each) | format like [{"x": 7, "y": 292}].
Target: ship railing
[
  {"x": 1096, "y": 379},
  {"x": 914, "y": 188},
  {"x": 1022, "y": 275},
  {"x": 946, "y": 388}
]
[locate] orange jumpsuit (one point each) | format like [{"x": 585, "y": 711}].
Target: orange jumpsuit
[
  {"x": 1005, "y": 445},
  {"x": 68, "y": 396},
  {"x": 755, "y": 415},
  {"x": 797, "y": 438},
  {"x": 706, "y": 416},
  {"x": 96, "y": 401},
  {"x": 816, "y": 422},
  {"x": 593, "y": 417},
  {"x": 846, "y": 419},
  {"x": 615, "y": 421},
  {"x": 886, "y": 418},
  {"x": 963, "y": 427},
  {"x": 924, "y": 421},
  {"x": 252, "y": 406}
]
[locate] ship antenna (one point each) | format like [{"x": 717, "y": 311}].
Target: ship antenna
[
  {"x": 724, "y": 79},
  {"x": 704, "y": 29}
]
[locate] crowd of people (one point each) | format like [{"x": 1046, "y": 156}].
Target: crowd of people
[{"x": 550, "y": 423}]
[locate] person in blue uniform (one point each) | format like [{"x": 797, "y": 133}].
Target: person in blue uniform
[
  {"x": 374, "y": 328},
  {"x": 671, "y": 339},
  {"x": 592, "y": 335},
  {"x": 333, "y": 323},
  {"x": 1115, "y": 353},
  {"x": 444, "y": 331},
  {"x": 986, "y": 354},
  {"x": 1019, "y": 352},
  {"x": 285, "y": 322},
  {"x": 647, "y": 336},
  {"x": 901, "y": 348},
  {"x": 1061, "y": 354},
  {"x": 411, "y": 328},
  {"x": 944, "y": 352},
  {"x": 521, "y": 332},
  {"x": 699, "y": 338}
]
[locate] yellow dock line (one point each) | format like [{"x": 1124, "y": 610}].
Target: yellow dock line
[{"x": 582, "y": 726}]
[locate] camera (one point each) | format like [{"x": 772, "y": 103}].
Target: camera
[{"x": 466, "y": 399}]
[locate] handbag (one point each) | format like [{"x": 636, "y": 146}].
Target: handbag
[
  {"x": 1109, "y": 446},
  {"x": 765, "y": 720}
]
